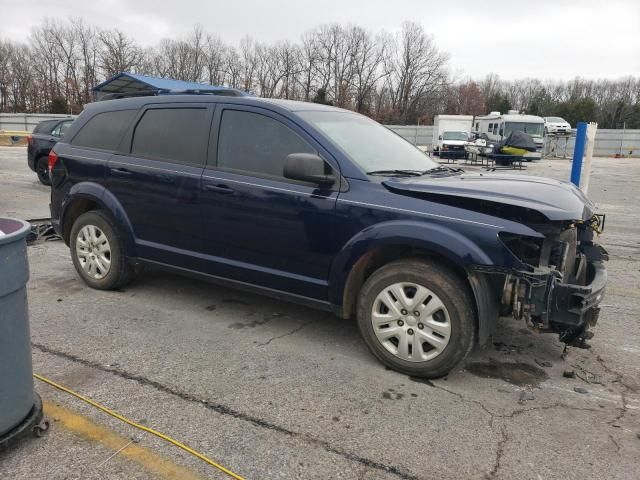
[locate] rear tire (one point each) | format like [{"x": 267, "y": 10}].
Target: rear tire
[
  {"x": 42, "y": 170},
  {"x": 98, "y": 252},
  {"x": 424, "y": 335}
]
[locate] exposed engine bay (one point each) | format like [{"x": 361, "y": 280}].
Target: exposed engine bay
[{"x": 563, "y": 282}]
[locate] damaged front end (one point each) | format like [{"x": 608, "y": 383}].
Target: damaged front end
[{"x": 562, "y": 280}]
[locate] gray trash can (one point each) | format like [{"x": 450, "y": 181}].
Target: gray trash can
[{"x": 20, "y": 405}]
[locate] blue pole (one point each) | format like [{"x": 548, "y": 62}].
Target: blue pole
[{"x": 578, "y": 153}]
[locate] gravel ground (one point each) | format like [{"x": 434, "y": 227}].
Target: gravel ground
[{"x": 274, "y": 390}]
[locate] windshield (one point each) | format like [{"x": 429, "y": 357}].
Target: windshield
[
  {"x": 555, "y": 120},
  {"x": 533, "y": 129},
  {"x": 367, "y": 143},
  {"x": 455, "y": 136}
]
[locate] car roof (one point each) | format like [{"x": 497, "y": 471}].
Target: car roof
[{"x": 137, "y": 102}]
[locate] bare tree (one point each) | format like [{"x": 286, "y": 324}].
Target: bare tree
[
  {"x": 214, "y": 51},
  {"x": 119, "y": 53},
  {"x": 367, "y": 62},
  {"x": 400, "y": 78},
  {"x": 418, "y": 73}
]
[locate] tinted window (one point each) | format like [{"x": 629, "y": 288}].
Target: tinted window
[
  {"x": 175, "y": 134},
  {"x": 45, "y": 126},
  {"x": 104, "y": 130},
  {"x": 256, "y": 144}
]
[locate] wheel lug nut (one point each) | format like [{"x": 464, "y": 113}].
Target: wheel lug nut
[
  {"x": 404, "y": 312},
  {"x": 416, "y": 313},
  {"x": 410, "y": 331},
  {"x": 400, "y": 322},
  {"x": 420, "y": 326}
]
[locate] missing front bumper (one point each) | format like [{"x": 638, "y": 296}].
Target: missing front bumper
[{"x": 549, "y": 305}]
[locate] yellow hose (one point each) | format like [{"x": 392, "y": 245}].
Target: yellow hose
[{"x": 140, "y": 427}]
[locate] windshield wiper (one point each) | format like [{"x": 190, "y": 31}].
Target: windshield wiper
[
  {"x": 408, "y": 173},
  {"x": 442, "y": 169}
]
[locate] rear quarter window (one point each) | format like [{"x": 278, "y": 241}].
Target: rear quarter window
[
  {"x": 104, "y": 130},
  {"x": 44, "y": 127}
]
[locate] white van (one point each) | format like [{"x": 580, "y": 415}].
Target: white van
[
  {"x": 451, "y": 134},
  {"x": 497, "y": 126}
]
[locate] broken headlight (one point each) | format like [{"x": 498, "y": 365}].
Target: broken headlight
[{"x": 525, "y": 248}]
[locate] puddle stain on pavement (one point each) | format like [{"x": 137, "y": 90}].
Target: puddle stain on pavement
[{"x": 521, "y": 374}]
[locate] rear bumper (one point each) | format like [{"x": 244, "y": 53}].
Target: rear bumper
[{"x": 31, "y": 159}]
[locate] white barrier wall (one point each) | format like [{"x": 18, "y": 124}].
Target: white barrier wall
[
  {"x": 26, "y": 121},
  {"x": 607, "y": 144}
]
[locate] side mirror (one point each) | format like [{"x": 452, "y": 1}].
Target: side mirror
[
  {"x": 307, "y": 167},
  {"x": 440, "y": 137},
  {"x": 501, "y": 131}
]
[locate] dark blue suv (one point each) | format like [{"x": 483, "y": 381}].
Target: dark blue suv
[{"x": 328, "y": 208}]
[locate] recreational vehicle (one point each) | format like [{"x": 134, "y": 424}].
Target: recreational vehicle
[{"x": 498, "y": 126}]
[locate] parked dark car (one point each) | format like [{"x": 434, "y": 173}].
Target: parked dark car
[
  {"x": 328, "y": 208},
  {"x": 40, "y": 142}
]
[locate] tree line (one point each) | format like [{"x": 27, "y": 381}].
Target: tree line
[{"x": 400, "y": 78}]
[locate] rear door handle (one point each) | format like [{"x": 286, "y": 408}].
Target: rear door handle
[
  {"x": 121, "y": 172},
  {"x": 220, "y": 188}
]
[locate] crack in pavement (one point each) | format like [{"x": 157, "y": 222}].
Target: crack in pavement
[
  {"x": 467, "y": 400},
  {"x": 614, "y": 442},
  {"x": 499, "y": 453},
  {"x": 500, "y": 447},
  {"x": 619, "y": 379},
  {"x": 222, "y": 409},
  {"x": 295, "y": 330}
]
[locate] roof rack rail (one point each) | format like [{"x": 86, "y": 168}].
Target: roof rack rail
[
  {"x": 227, "y": 92},
  {"x": 223, "y": 92}
]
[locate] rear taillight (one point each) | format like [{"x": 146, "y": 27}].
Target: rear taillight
[{"x": 53, "y": 158}]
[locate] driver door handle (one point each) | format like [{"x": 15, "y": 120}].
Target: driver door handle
[
  {"x": 219, "y": 188},
  {"x": 121, "y": 172}
]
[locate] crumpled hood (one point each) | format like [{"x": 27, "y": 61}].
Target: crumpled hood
[{"x": 555, "y": 199}]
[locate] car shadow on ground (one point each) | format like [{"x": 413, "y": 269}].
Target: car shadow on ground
[{"x": 527, "y": 354}]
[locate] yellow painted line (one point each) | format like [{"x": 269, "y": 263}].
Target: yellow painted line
[{"x": 87, "y": 429}]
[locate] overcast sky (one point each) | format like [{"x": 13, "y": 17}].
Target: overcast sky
[{"x": 533, "y": 38}]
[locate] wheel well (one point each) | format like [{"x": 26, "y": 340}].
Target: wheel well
[
  {"x": 77, "y": 208},
  {"x": 376, "y": 258}
]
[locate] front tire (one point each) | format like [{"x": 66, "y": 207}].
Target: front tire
[
  {"x": 98, "y": 252},
  {"x": 417, "y": 317},
  {"x": 42, "y": 170}
]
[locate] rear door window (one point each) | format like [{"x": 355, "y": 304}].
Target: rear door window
[
  {"x": 258, "y": 145},
  {"x": 177, "y": 135},
  {"x": 104, "y": 131}
]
